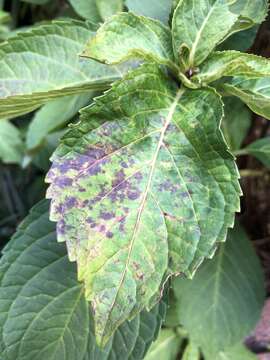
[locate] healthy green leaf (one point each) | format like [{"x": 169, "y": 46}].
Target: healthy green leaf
[
  {"x": 191, "y": 352},
  {"x": 222, "y": 304},
  {"x": 159, "y": 10},
  {"x": 4, "y": 17},
  {"x": 232, "y": 63},
  {"x": 165, "y": 347},
  {"x": 236, "y": 122},
  {"x": 54, "y": 115},
  {"x": 43, "y": 312},
  {"x": 11, "y": 144},
  {"x": 143, "y": 182},
  {"x": 87, "y": 9},
  {"x": 261, "y": 150},
  {"x": 40, "y": 157},
  {"x": 198, "y": 27},
  {"x": 39, "y": 65},
  {"x": 254, "y": 92},
  {"x": 238, "y": 352},
  {"x": 126, "y": 36},
  {"x": 240, "y": 41},
  {"x": 250, "y": 13},
  {"x": 253, "y": 11},
  {"x": 36, "y": 2},
  {"x": 108, "y": 8}
]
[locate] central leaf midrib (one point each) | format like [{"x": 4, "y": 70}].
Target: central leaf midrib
[
  {"x": 141, "y": 208},
  {"x": 197, "y": 38}
]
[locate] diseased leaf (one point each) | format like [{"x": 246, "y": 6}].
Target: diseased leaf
[
  {"x": 39, "y": 65},
  {"x": 126, "y": 36},
  {"x": 222, "y": 304},
  {"x": 87, "y": 9},
  {"x": 236, "y": 122},
  {"x": 143, "y": 183},
  {"x": 165, "y": 347},
  {"x": 159, "y": 10},
  {"x": 108, "y": 8},
  {"x": 232, "y": 63},
  {"x": 198, "y": 27},
  {"x": 254, "y": 92},
  {"x": 261, "y": 150},
  {"x": 43, "y": 311},
  {"x": 11, "y": 144},
  {"x": 54, "y": 115}
]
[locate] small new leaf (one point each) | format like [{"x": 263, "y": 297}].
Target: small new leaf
[
  {"x": 142, "y": 188},
  {"x": 232, "y": 63},
  {"x": 197, "y": 28},
  {"x": 126, "y": 36},
  {"x": 253, "y": 92},
  {"x": 261, "y": 150},
  {"x": 165, "y": 347}
]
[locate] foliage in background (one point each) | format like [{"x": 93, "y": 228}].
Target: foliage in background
[{"x": 143, "y": 186}]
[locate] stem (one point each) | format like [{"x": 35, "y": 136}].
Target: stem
[
  {"x": 240, "y": 152},
  {"x": 15, "y": 9},
  {"x": 252, "y": 173}
]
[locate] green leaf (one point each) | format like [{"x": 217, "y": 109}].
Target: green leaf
[
  {"x": 11, "y": 145},
  {"x": 36, "y": 2},
  {"x": 87, "y": 9},
  {"x": 261, "y": 150},
  {"x": 126, "y": 36},
  {"x": 232, "y": 63},
  {"x": 240, "y": 41},
  {"x": 153, "y": 186},
  {"x": 254, "y": 92},
  {"x": 43, "y": 312},
  {"x": 41, "y": 157},
  {"x": 159, "y": 10},
  {"x": 4, "y": 17},
  {"x": 108, "y": 8},
  {"x": 165, "y": 347},
  {"x": 254, "y": 12},
  {"x": 39, "y": 65},
  {"x": 54, "y": 115},
  {"x": 191, "y": 352},
  {"x": 238, "y": 352},
  {"x": 236, "y": 122},
  {"x": 222, "y": 304},
  {"x": 198, "y": 27}
]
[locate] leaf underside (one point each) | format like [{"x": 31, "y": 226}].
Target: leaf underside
[
  {"x": 142, "y": 188},
  {"x": 43, "y": 311}
]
